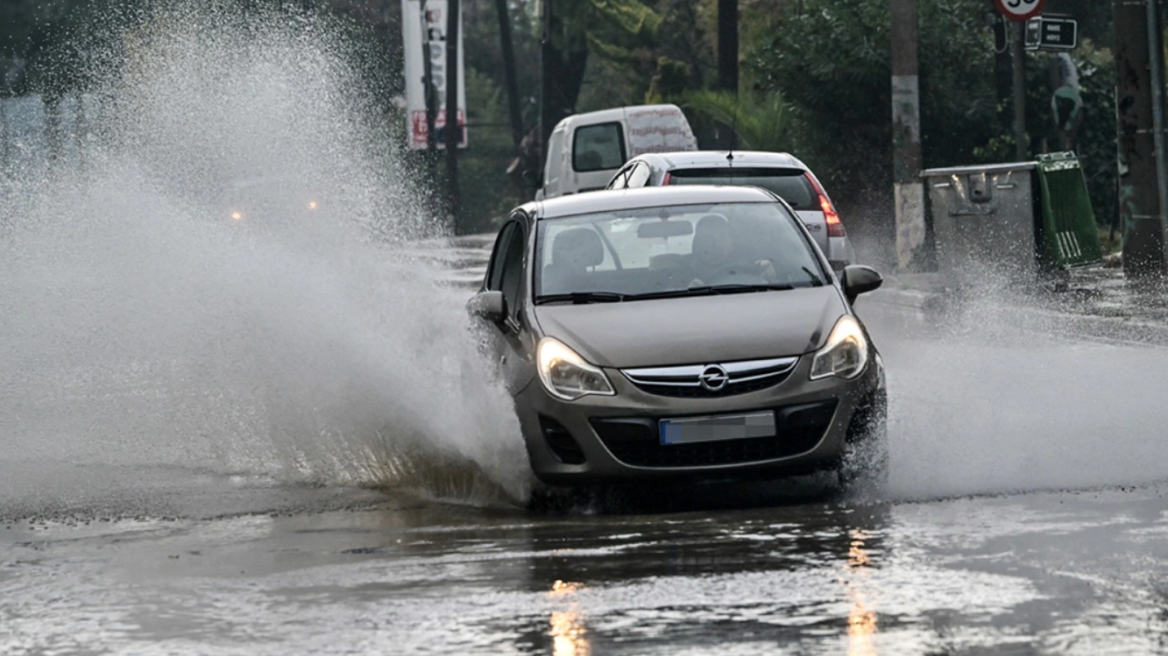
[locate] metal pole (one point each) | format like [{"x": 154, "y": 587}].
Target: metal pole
[
  {"x": 1018, "y": 54},
  {"x": 453, "y": 133},
  {"x": 546, "y": 69},
  {"x": 906, "y": 134},
  {"x": 1156, "y": 66},
  {"x": 1139, "y": 199},
  {"x": 728, "y": 58},
  {"x": 431, "y": 101},
  {"x": 728, "y": 45}
]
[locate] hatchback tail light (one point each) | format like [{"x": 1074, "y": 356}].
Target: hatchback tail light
[
  {"x": 835, "y": 227},
  {"x": 666, "y": 179}
]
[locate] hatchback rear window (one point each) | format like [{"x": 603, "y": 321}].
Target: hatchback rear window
[{"x": 789, "y": 184}]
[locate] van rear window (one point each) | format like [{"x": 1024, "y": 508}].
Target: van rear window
[
  {"x": 789, "y": 184},
  {"x": 598, "y": 147}
]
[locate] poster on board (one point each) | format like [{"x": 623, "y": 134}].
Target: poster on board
[{"x": 424, "y": 36}]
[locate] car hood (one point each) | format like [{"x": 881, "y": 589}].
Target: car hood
[{"x": 697, "y": 329}]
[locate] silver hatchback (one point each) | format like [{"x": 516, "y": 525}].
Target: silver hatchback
[
  {"x": 681, "y": 332},
  {"x": 780, "y": 173}
]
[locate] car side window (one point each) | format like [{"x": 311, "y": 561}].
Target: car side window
[
  {"x": 495, "y": 271},
  {"x": 511, "y": 282},
  {"x": 639, "y": 176}
]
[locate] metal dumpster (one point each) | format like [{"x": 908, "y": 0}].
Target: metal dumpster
[
  {"x": 1014, "y": 220},
  {"x": 1067, "y": 234},
  {"x": 983, "y": 219}
]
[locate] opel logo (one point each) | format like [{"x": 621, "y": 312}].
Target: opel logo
[{"x": 713, "y": 378}]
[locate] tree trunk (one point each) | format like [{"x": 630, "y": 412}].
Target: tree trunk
[{"x": 564, "y": 62}]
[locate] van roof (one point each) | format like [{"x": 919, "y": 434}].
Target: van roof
[{"x": 620, "y": 113}]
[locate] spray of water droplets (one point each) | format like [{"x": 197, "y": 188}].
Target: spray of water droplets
[{"x": 218, "y": 275}]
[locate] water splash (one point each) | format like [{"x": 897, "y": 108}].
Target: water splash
[
  {"x": 991, "y": 392},
  {"x": 218, "y": 278}
]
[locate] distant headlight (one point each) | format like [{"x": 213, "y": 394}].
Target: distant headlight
[
  {"x": 236, "y": 216},
  {"x": 845, "y": 354},
  {"x": 566, "y": 375}
]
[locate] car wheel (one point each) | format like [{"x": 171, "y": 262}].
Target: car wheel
[{"x": 865, "y": 463}]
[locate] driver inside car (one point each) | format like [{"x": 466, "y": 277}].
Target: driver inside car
[{"x": 714, "y": 258}]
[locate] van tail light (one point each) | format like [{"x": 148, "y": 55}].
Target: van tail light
[
  {"x": 835, "y": 227},
  {"x": 666, "y": 179}
]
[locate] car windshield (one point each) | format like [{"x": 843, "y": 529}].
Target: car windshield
[
  {"x": 789, "y": 184},
  {"x": 672, "y": 251}
]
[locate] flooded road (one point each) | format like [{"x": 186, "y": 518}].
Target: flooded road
[
  {"x": 245, "y": 434},
  {"x": 958, "y": 558},
  {"x": 1070, "y": 572}
]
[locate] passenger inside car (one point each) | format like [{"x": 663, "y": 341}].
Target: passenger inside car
[
  {"x": 715, "y": 257},
  {"x": 573, "y": 252}
]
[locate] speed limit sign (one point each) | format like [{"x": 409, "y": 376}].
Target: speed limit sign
[{"x": 1020, "y": 10}]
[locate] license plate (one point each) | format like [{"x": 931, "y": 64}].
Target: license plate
[{"x": 717, "y": 428}]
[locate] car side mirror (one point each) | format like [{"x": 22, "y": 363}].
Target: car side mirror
[
  {"x": 859, "y": 279},
  {"x": 489, "y": 305}
]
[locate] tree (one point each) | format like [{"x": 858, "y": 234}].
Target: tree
[
  {"x": 759, "y": 120},
  {"x": 830, "y": 59}
]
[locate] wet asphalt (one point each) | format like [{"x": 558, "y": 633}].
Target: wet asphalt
[{"x": 1040, "y": 531}]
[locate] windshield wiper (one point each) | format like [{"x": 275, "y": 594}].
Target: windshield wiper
[
  {"x": 816, "y": 281},
  {"x": 710, "y": 290},
  {"x": 580, "y": 298}
]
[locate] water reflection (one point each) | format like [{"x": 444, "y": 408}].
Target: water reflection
[
  {"x": 569, "y": 634},
  {"x": 862, "y": 621}
]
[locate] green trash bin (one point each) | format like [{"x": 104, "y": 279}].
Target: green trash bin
[{"x": 1066, "y": 230}]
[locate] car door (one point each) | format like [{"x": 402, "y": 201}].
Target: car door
[{"x": 511, "y": 339}]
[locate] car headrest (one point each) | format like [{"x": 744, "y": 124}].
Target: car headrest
[
  {"x": 578, "y": 247},
  {"x": 712, "y": 222}
]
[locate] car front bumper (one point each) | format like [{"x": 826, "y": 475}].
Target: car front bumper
[{"x": 599, "y": 439}]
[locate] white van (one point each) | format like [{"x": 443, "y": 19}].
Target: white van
[{"x": 585, "y": 150}]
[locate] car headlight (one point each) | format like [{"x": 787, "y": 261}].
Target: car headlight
[
  {"x": 566, "y": 375},
  {"x": 845, "y": 354}
]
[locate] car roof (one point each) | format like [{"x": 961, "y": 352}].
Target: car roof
[
  {"x": 719, "y": 158},
  {"x": 607, "y": 201}
]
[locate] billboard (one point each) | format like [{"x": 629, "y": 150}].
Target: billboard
[{"x": 424, "y": 37}]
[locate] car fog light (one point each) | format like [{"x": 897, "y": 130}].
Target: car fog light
[{"x": 566, "y": 375}]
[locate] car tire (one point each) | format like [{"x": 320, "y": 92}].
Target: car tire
[{"x": 864, "y": 466}]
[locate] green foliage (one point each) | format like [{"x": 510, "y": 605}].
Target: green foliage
[
  {"x": 670, "y": 82},
  {"x": 482, "y": 167},
  {"x": 1095, "y": 139},
  {"x": 611, "y": 29},
  {"x": 484, "y": 52},
  {"x": 831, "y": 60},
  {"x": 630, "y": 16},
  {"x": 759, "y": 120}
]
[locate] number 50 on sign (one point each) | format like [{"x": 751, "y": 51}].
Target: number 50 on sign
[{"x": 1020, "y": 10}]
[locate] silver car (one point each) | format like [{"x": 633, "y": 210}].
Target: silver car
[
  {"x": 780, "y": 173},
  {"x": 681, "y": 332}
]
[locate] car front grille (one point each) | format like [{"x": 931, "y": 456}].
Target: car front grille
[
  {"x": 712, "y": 380},
  {"x": 635, "y": 441}
]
